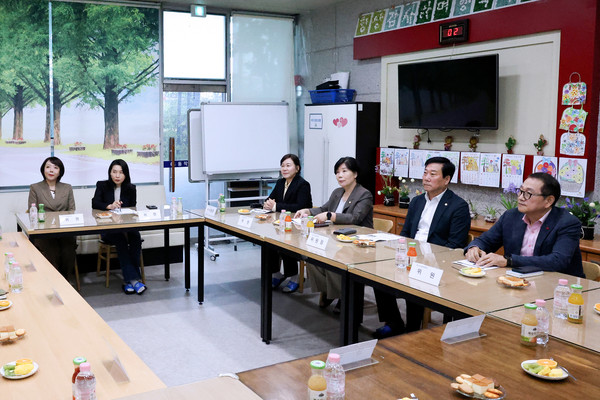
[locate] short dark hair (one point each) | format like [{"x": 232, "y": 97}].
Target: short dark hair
[
  {"x": 125, "y": 169},
  {"x": 294, "y": 159},
  {"x": 56, "y": 161},
  {"x": 349, "y": 162},
  {"x": 550, "y": 187},
  {"x": 447, "y": 167}
]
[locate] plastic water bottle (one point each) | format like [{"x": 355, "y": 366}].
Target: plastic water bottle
[
  {"x": 303, "y": 223},
  {"x": 543, "y": 317},
  {"x": 335, "y": 377},
  {"x": 401, "y": 256},
  {"x": 561, "y": 298},
  {"x": 85, "y": 383},
  {"x": 173, "y": 207},
  {"x": 8, "y": 259},
  {"x": 33, "y": 216},
  {"x": 282, "y": 215},
  {"x": 15, "y": 277},
  {"x": 310, "y": 226}
]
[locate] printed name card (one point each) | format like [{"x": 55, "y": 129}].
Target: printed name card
[
  {"x": 210, "y": 211},
  {"x": 318, "y": 241},
  {"x": 425, "y": 273},
  {"x": 149, "y": 215},
  {"x": 70, "y": 220},
  {"x": 245, "y": 221},
  {"x": 463, "y": 329}
]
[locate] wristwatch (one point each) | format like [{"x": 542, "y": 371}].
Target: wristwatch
[
  {"x": 508, "y": 261},
  {"x": 329, "y": 215}
]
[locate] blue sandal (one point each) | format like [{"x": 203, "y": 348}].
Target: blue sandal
[
  {"x": 139, "y": 287},
  {"x": 277, "y": 281},
  {"x": 291, "y": 287},
  {"x": 128, "y": 288}
]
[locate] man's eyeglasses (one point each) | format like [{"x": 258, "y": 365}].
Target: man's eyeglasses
[{"x": 527, "y": 195}]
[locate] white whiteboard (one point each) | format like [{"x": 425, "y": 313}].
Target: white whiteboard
[{"x": 237, "y": 138}]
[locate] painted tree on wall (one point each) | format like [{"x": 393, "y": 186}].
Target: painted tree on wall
[{"x": 119, "y": 57}]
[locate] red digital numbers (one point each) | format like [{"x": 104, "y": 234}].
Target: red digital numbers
[{"x": 451, "y": 32}]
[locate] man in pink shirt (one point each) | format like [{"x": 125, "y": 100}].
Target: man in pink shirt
[{"x": 535, "y": 234}]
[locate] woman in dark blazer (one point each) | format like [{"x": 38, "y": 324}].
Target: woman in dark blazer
[
  {"x": 291, "y": 193},
  {"x": 349, "y": 204},
  {"x": 55, "y": 196},
  {"x": 112, "y": 194}
]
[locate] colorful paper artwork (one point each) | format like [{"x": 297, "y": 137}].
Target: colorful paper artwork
[
  {"x": 545, "y": 164},
  {"x": 401, "y": 162},
  {"x": 386, "y": 161},
  {"x": 573, "y": 119},
  {"x": 572, "y": 144},
  {"x": 454, "y": 157},
  {"x": 512, "y": 169},
  {"x": 469, "y": 168},
  {"x": 416, "y": 164},
  {"x": 489, "y": 169},
  {"x": 571, "y": 175}
]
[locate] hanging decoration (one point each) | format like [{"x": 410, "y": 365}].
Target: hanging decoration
[
  {"x": 573, "y": 119},
  {"x": 574, "y": 93},
  {"x": 473, "y": 142},
  {"x": 448, "y": 143},
  {"x": 572, "y": 144},
  {"x": 416, "y": 141}
]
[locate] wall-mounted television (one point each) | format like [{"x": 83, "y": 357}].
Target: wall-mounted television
[{"x": 449, "y": 94}]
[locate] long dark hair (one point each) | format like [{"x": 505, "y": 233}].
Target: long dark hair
[{"x": 125, "y": 169}]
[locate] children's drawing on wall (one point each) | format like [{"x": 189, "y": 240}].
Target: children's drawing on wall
[
  {"x": 416, "y": 165},
  {"x": 573, "y": 119},
  {"x": 469, "y": 168},
  {"x": 545, "y": 164},
  {"x": 489, "y": 169},
  {"x": 572, "y": 144},
  {"x": 454, "y": 157},
  {"x": 401, "y": 163},
  {"x": 386, "y": 161},
  {"x": 512, "y": 169},
  {"x": 571, "y": 175}
]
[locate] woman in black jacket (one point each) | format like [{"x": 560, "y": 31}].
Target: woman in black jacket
[
  {"x": 291, "y": 193},
  {"x": 112, "y": 194}
]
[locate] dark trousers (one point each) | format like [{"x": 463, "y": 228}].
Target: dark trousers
[
  {"x": 388, "y": 312},
  {"x": 60, "y": 252},
  {"x": 290, "y": 265},
  {"x": 129, "y": 249}
]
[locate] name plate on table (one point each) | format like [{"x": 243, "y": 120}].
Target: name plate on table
[
  {"x": 211, "y": 211},
  {"x": 425, "y": 273},
  {"x": 463, "y": 329},
  {"x": 70, "y": 220},
  {"x": 149, "y": 215},
  {"x": 245, "y": 221},
  {"x": 318, "y": 241}
]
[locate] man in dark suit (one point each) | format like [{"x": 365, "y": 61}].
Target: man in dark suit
[
  {"x": 438, "y": 216},
  {"x": 536, "y": 233}
]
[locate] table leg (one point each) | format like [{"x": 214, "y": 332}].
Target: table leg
[
  {"x": 268, "y": 256},
  {"x": 167, "y": 253},
  {"x": 356, "y": 291},
  {"x": 344, "y": 309},
  {"x": 201, "y": 264},
  {"x": 186, "y": 241}
]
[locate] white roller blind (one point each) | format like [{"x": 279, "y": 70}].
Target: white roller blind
[{"x": 262, "y": 58}]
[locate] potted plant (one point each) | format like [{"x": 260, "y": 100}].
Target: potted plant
[
  {"x": 388, "y": 190},
  {"x": 508, "y": 198},
  {"x": 148, "y": 150},
  {"x": 586, "y": 212},
  {"x": 472, "y": 210},
  {"x": 510, "y": 143},
  {"x": 491, "y": 214},
  {"x": 403, "y": 192},
  {"x": 77, "y": 146},
  {"x": 539, "y": 145}
]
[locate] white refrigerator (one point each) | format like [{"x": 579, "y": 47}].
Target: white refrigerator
[{"x": 332, "y": 131}]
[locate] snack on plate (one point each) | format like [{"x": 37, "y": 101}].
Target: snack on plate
[
  {"x": 471, "y": 270},
  {"x": 344, "y": 237},
  {"x": 597, "y": 307},
  {"x": 244, "y": 211},
  {"x": 105, "y": 214},
  {"x": 364, "y": 243},
  {"x": 512, "y": 281},
  {"x": 544, "y": 367},
  {"x": 262, "y": 216},
  {"x": 18, "y": 368},
  {"x": 4, "y": 303},
  {"x": 9, "y": 333},
  {"x": 477, "y": 385}
]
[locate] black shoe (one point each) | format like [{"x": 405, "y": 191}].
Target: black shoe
[{"x": 324, "y": 301}]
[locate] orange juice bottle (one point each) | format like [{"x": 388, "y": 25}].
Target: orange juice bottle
[
  {"x": 529, "y": 325},
  {"x": 411, "y": 253},
  {"x": 575, "y": 305},
  {"x": 317, "y": 385},
  {"x": 288, "y": 221}
]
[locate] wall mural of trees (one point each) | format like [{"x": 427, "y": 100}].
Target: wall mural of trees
[{"x": 105, "y": 60}]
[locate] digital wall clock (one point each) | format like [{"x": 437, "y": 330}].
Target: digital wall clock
[{"x": 454, "y": 32}]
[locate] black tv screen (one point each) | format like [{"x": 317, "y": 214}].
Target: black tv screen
[{"x": 450, "y": 94}]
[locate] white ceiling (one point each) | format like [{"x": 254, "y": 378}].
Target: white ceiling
[{"x": 272, "y": 6}]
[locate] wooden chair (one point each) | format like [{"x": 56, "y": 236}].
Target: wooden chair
[
  {"x": 591, "y": 271},
  {"x": 383, "y": 225},
  {"x": 106, "y": 252}
]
